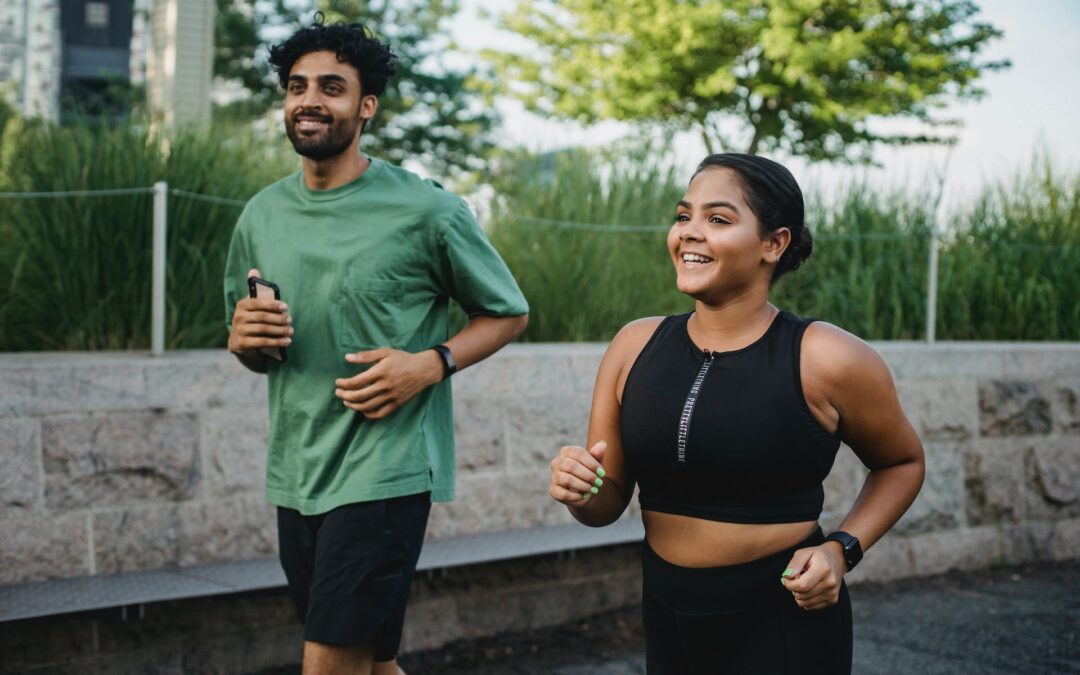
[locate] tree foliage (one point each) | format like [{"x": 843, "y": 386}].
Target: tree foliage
[
  {"x": 808, "y": 77},
  {"x": 240, "y": 52},
  {"x": 430, "y": 111}
]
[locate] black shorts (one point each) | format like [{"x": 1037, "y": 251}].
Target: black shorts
[
  {"x": 739, "y": 620},
  {"x": 350, "y": 569}
]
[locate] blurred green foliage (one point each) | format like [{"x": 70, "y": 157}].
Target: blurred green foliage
[
  {"x": 583, "y": 232},
  {"x": 802, "y": 76}
]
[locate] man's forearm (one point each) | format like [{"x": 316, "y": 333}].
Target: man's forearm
[
  {"x": 253, "y": 360},
  {"x": 483, "y": 336}
]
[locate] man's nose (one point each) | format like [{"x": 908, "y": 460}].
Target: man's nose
[{"x": 310, "y": 99}]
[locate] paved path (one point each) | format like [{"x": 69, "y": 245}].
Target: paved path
[{"x": 1000, "y": 622}]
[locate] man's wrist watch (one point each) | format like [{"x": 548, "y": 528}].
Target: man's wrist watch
[
  {"x": 850, "y": 544},
  {"x": 449, "y": 364}
]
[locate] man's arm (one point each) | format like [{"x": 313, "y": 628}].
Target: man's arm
[
  {"x": 255, "y": 361},
  {"x": 398, "y": 376},
  {"x": 483, "y": 336}
]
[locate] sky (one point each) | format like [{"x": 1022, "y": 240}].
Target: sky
[{"x": 1033, "y": 106}]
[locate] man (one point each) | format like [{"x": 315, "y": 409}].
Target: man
[{"x": 361, "y": 429}]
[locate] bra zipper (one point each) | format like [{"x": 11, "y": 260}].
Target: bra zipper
[{"x": 688, "y": 408}]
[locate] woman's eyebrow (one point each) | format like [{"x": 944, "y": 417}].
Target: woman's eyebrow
[
  {"x": 720, "y": 204},
  {"x": 710, "y": 205}
]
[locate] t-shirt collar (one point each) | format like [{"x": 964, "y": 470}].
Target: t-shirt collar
[{"x": 349, "y": 188}]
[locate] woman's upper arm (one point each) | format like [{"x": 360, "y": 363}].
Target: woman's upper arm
[
  {"x": 845, "y": 377},
  {"x": 606, "y": 412}
]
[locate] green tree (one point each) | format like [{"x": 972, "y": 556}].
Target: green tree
[
  {"x": 242, "y": 32},
  {"x": 808, "y": 77},
  {"x": 430, "y": 112},
  {"x": 239, "y": 52}
]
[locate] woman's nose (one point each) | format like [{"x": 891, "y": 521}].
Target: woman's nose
[{"x": 691, "y": 232}]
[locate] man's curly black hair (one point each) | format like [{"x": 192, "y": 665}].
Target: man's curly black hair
[{"x": 353, "y": 43}]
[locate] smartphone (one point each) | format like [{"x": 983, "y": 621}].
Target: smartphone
[{"x": 265, "y": 290}]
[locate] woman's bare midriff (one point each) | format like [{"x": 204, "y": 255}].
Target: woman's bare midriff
[{"x": 694, "y": 542}]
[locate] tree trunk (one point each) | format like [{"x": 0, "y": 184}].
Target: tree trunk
[
  {"x": 752, "y": 149},
  {"x": 709, "y": 148}
]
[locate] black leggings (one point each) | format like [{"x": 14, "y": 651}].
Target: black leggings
[{"x": 739, "y": 619}]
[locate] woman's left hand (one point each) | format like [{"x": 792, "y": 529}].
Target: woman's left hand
[{"x": 814, "y": 575}]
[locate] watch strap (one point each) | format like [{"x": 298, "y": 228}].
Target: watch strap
[{"x": 449, "y": 364}]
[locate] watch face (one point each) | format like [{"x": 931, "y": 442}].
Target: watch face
[
  {"x": 852, "y": 548},
  {"x": 852, "y": 552}
]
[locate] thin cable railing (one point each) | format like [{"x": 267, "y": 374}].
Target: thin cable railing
[
  {"x": 159, "y": 223},
  {"x": 211, "y": 199},
  {"x": 115, "y": 192}
]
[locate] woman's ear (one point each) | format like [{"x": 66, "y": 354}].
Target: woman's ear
[{"x": 775, "y": 243}]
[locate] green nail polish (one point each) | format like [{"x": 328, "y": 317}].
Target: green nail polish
[
  {"x": 787, "y": 572},
  {"x": 598, "y": 482},
  {"x": 600, "y": 472},
  {"x": 595, "y": 490},
  {"x": 585, "y": 496}
]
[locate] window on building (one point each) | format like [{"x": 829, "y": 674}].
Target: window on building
[{"x": 96, "y": 15}]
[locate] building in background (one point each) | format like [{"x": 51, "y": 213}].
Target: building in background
[
  {"x": 66, "y": 60},
  {"x": 30, "y": 68},
  {"x": 180, "y": 66},
  {"x": 95, "y": 59}
]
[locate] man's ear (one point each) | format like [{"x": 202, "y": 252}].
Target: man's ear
[
  {"x": 775, "y": 243},
  {"x": 369, "y": 105}
]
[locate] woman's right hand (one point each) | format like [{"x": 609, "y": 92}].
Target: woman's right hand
[{"x": 577, "y": 474}]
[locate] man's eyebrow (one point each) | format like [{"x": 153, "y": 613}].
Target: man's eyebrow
[{"x": 329, "y": 77}]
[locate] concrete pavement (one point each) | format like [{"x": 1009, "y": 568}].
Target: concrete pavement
[{"x": 999, "y": 622}]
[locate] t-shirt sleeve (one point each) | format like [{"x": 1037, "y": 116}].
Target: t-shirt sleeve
[
  {"x": 471, "y": 269},
  {"x": 237, "y": 263}
]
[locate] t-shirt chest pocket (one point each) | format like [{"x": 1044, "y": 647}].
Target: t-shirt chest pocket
[{"x": 369, "y": 313}]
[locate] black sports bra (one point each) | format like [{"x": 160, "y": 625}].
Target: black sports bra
[{"x": 725, "y": 436}]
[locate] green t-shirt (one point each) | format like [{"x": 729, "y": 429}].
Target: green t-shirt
[{"x": 369, "y": 264}]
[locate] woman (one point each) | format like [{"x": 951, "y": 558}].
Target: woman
[{"x": 728, "y": 419}]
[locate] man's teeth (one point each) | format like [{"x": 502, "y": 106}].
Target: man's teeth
[{"x": 694, "y": 257}]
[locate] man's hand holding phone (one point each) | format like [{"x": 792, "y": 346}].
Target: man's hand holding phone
[{"x": 259, "y": 323}]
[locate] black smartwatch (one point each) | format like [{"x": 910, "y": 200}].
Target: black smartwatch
[
  {"x": 851, "y": 545},
  {"x": 449, "y": 365}
]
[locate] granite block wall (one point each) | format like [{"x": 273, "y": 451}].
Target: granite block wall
[{"x": 116, "y": 461}]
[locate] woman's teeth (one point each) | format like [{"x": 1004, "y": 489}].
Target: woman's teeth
[{"x": 694, "y": 258}]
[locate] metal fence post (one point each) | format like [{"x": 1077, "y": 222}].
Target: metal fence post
[
  {"x": 157, "y": 304},
  {"x": 931, "y": 293}
]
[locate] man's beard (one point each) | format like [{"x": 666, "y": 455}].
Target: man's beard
[{"x": 334, "y": 140}]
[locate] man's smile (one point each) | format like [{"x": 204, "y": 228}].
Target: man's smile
[{"x": 311, "y": 122}]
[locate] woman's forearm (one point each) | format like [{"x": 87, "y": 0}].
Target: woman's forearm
[{"x": 885, "y": 496}]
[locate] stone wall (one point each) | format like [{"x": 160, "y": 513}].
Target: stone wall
[
  {"x": 258, "y": 632},
  {"x": 113, "y": 462}
]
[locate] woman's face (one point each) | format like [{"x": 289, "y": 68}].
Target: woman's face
[{"x": 716, "y": 243}]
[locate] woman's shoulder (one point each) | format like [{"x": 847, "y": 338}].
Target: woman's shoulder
[
  {"x": 632, "y": 338},
  {"x": 838, "y": 355},
  {"x": 636, "y": 334}
]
